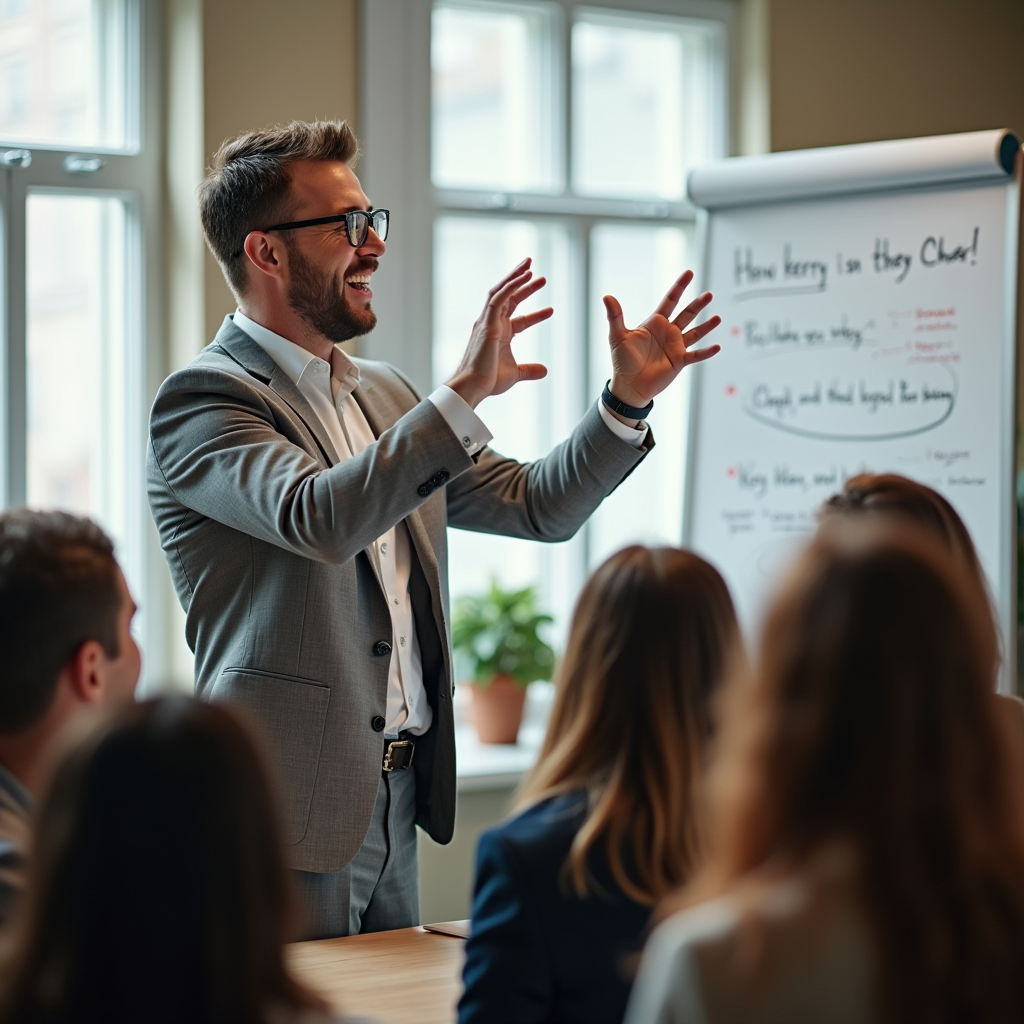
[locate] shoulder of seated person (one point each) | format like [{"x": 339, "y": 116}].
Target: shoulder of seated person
[
  {"x": 816, "y": 952},
  {"x": 557, "y": 816},
  {"x": 820, "y": 893}
]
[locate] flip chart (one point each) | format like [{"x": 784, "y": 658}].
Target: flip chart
[{"x": 869, "y": 304}]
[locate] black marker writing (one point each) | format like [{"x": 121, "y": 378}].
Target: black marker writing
[{"x": 884, "y": 260}]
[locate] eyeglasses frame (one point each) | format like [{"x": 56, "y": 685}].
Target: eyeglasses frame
[{"x": 366, "y": 218}]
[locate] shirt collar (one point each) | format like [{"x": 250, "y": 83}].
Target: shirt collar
[{"x": 294, "y": 359}]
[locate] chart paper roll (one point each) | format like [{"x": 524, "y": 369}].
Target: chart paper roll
[{"x": 841, "y": 170}]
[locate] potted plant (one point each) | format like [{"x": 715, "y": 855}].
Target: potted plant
[{"x": 496, "y": 641}]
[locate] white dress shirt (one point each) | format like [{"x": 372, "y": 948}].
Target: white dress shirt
[{"x": 328, "y": 388}]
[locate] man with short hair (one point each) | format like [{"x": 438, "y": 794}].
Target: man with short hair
[
  {"x": 302, "y": 499},
  {"x": 65, "y": 646}
]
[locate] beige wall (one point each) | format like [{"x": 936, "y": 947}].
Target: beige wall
[
  {"x": 266, "y": 62},
  {"x": 858, "y": 70},
  {"x": 232, "y": 65}
]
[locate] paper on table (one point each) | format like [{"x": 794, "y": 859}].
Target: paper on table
[{"x": 458, "y": 929}]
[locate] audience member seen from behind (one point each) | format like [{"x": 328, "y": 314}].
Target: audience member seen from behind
[
  {"x": 564, "y": 890},
  {"x": 65, "y": 645},
  {"x": 866, "y": 859},
  {"x": 874, "y": 497},
  {"x": 158, "y": 890}
]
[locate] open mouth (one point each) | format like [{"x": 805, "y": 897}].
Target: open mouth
[{"x": 359, "y": 283}]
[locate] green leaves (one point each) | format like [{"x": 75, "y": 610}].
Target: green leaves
[{"x": 497, "y": 634}]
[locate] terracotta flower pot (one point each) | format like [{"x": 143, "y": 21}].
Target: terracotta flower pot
[{"x": 497, "y": 709}]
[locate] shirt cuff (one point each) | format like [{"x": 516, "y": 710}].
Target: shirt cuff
[
  {"x": 631, "y": 435},
  {"x": 465, "y": 424}
]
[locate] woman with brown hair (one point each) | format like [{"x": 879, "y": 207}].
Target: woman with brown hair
[
  {"x": 609, "y": 822},
  {"x": 866, "y": 860},
  {"x": 874, "y": 495},
  {"x": 158, "y": 890},
  {"x": 889, "y": 497}
]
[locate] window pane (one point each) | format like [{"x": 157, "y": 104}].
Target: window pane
[
  {"x": 492, "y": 98},
  {"x": 637, "y": 265},
  {"x": 470, "y": 255},
  {"x": 64, "y": 75},
  {"x": 77, "y": 380},
  {"x": 642, "y": 105}
]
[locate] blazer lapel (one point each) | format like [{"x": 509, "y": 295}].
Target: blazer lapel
[
  {"x": 256, "y": 361},
  {"x": 364, "y": 396}
]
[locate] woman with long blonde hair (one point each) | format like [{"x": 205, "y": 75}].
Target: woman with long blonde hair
[
  {"x": 608, "y": 821},
  {"x": 866, "y": 859}
]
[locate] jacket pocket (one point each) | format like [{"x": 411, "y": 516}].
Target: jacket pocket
[{"x": 290, "y": 714}]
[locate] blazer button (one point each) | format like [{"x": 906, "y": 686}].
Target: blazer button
[
  {"x": 440, "y": 478},
  {"x": 377, "y": 723},
  {"x": 381, "y": 647},
  {"x": 424, "y": 489}
]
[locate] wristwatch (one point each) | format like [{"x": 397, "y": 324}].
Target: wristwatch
[{"x": 617, "y": 405}]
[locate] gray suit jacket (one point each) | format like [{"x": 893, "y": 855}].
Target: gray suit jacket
[{"x": 269, "y": 541}]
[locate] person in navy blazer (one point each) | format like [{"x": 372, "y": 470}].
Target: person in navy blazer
[{"x": 607, "y": 820}]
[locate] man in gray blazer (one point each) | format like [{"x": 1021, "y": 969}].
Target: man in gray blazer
[{"x": 302, "y": 500}]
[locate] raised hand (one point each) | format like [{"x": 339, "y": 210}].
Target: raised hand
[
  {"x": 646, "y": 359},
  {"x": 488, "y": 366}
]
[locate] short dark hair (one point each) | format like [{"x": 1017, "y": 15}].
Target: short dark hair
[
  {"x": 58, "y": 589},
  {"x": 247, "y": 187}
]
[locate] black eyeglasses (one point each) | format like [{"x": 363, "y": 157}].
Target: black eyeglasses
[{"x": 357, "y": 224}]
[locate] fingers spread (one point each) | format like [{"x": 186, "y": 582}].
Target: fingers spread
[
  {"x": 515, "y": 272},
  {"x": 691, "y": 311},
  {"x": 526, "y": 291},
  {"x": 499, "y": 302},
  {"x": 614, "y": 311},
  {"x": 701, "y": 354},
  {"x": 521, "y": 323},
  {"x": 701, "y": 331},
  {"x": 674, "y": 294}
]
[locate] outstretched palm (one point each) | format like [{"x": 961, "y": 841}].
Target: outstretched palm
[
  {"x": 646, "y": 359},
  {"x": 489, "y": 366}
]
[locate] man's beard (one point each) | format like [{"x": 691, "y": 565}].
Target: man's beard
[{"x": 320, "y": 300}]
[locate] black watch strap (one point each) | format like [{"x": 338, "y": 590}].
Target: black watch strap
[{"x": 616, "y": 405}]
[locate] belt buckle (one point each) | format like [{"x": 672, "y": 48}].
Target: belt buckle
[{"x": 398, "y": 754}]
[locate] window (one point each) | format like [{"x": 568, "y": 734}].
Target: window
[
  {"x": 77, "y": 360},
  {"x": 492, "y": 120},
  {"x": 75, "y": 64},
  {"x": 78, "y": 203},
  {"x": 640, "y": 86},
  {"x": 562, "y": 132}
]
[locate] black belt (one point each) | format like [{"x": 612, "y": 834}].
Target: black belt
[{"x": 398, "y": 754}]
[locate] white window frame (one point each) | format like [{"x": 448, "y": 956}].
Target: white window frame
[
  {"x": 394, "y": 126},
  {"x": 133, "y": 175}
]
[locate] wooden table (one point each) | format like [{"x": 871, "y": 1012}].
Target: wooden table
[{"x": 406, "y": 976}]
